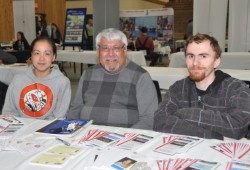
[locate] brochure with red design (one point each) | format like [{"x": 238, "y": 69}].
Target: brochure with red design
[
  {"x": 177, "y": 144},
  {"x": 234, "y": 150},
  {"x": 238, "y": 166},
  {"x": 64, "y": 128},
  {"x": 132, "y": 141},
  {"x": 100, "y": 138},
  {"x": 185, "y": 164}
]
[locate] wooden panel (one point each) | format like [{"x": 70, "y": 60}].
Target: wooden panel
[
  {"x": 183, "y": 11},
  {"x": 55, "y": 11},
  {"x": 6, "y": 21}
]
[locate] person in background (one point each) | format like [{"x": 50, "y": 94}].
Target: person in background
[
  {"x": 146, "y": 44},
  {"x": 56, "y": 34},
  {"x": 131, "y": 45},
  {"x": 116, "y": 92},
  {"x": 45, "y": 29},
  {"x": 208, "y": 103},
  {"x": 189, "y": 29},
  {"x": 38, "y": 28},
  {"x": 5, "y": 58},
  {"x": 89, "y": 34},
  {"x": 42, "y": 91},
  {"x": 21, "y": 40}
]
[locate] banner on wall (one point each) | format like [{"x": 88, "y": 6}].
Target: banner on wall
[{"x": 160, "y": 24}]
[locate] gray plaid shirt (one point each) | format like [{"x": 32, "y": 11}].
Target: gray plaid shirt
[
  {"x": 224, "y": 110},
  {"x": 125, "y": 99}
]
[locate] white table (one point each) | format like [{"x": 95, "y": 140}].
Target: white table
[
  {"x": 90, "y": 57},
  {"x": 229, "y": 60},
  {"x": 12, "y": 160},
  {"x": 166, "y": 76},
  {"x": 7, "y": 72}
]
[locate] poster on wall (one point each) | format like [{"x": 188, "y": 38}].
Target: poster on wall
[
  {"x": 160, "y": 24},
  {"x": 74, "y": 26}
]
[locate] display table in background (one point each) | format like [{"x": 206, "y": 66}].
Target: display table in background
[
  {"x": 229, "y": 60},
  {"x": 90, "y": 57},
  {"x": 9, "y": 71},
  {"x": 166, "y": 76}
]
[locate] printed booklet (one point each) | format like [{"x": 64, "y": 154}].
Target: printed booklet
[
  {"x": 64, "y": 128},
  {"x": 57, "y": 155}
]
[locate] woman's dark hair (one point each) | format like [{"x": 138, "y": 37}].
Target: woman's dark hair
[
  {"x": 44, "y": 38},
  {"x": 144, "y": 30},
  {"x": 23, "y": 38}
]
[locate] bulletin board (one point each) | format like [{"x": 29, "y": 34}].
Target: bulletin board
[
  {"x": 160, "y": 24},
  {"x": 74, "y": 26}
]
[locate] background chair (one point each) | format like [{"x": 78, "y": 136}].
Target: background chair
[
  {"x": 158, "y": 90},
  {"x": 3, "y": 90}
]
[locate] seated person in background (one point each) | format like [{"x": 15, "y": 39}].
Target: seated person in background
[
  {"x": 42, "y": 91},
  {"x": 56, "y": 34},
  {"x": 131, "y": 45},
  {"x": 145, "y": 43},
  {"x": 3, "y": 90},
  {"x": 116, "y": 92},
  {"x": 21, "y": 39},
  {"x": 89, "y": 34},
  {"x": 6, "y": 58},
  {"x": 208, "y": 103}
]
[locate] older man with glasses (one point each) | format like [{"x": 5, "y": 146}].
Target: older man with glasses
[{"x": 116, "y": 92}]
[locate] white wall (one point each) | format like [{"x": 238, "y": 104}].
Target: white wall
[
  {"x": 24, "y": 18},
  {"x": 210, "y": 18},
  {"x": 239, "y": 25}
]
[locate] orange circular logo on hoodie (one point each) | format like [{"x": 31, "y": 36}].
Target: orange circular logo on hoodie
[{"x": 36, "y": 100}]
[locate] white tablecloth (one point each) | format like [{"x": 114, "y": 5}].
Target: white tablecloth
[
  {"x": 13, "y": 160},
  {"x": 90, "y": 57},
  {"x": 229, "y": 60},
  {"x": 7, "y": 72},
  {"x": 166, "y": 76}
]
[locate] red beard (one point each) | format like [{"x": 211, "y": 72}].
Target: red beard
[{"x": 195, "y": 73}]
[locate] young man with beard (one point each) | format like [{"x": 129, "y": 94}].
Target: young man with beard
[
  {"x": 116, "y": 92},
  {"x": 208, "y": 103}
]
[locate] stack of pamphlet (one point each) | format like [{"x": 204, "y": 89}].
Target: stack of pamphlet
[
  {"x": 237, "y": 151},
  {"x": 129, "y": 141},
  {"x": 186, "y": 164},
  {"x": 177, "y": 144},
  {"x": 9, "y": 125}
]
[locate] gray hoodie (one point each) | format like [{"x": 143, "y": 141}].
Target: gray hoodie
[{"x": 45, "y": 98}]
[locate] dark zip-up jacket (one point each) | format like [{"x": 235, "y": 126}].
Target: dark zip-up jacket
[{"x": 222, "y": 110}]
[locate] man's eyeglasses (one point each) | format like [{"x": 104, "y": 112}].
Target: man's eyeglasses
[{"x": 115, "y": 49}]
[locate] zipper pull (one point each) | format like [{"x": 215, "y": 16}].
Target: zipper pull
[{"x": 199, "y": 98}]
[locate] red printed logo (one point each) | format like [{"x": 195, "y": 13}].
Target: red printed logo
[{"x": 36, "y": 100}]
